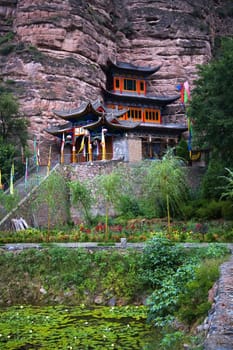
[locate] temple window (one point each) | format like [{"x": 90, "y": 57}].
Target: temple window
[
  {"x": 130, "y": 84},
  {"x": 152, "y": 115},
  {"x": 141, "y": 87},
  {"x": 134, "y": 114},
  {"x": 117, "y": 83}
]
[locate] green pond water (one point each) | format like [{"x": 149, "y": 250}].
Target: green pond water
[{"x": 52, "y": 328}]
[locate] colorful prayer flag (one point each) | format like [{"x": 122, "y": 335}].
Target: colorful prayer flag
[
  {"x": 82, "y": 144},
  {"x": 103, "y": 144},
  {"x": 186, "y": 92},
  {"x": 26, "y": 173},
  {"x": 38, "y": 155},
  {"x": 49, "y": 161},
  {"x": 12, "y": 179},
  {"x": 35, "y": 151},
  {"x": 1, "y": 185},
  {"x": 62, "y": 148},
  {"x": 89, "y": 148}
]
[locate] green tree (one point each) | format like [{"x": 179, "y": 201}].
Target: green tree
[
  {"x": 109, "y": 188},
  {"x": 81, "y": 197},
  {"x": 228, "y": 188},
  {"x": 166, "y": 185},
  {"x": 7, "y": 154},
  {"x": 12, "y": 125},
  {"x": 52, "y": 199},
  {"x": 13, "y": 134},
  {"x": 211, "y": 108},
  {"x": 214, "y": 180},
  {"x": 182, "y": 150}
]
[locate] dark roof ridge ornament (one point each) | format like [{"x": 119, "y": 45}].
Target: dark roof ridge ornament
[
  {"x": 131, "y": 68},
  {"x": 84, "y": 107},
  {"x": 148, "y": 99}
]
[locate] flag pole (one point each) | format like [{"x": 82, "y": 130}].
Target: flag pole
[
  {"x": 89, "y": 147},
  {"x": 1, "y": 185},
  {"x": 49, "y": 162},
  {"x": 12, "y": 179},
  {"x": 26, "y": 174},
  {"x": 73, "y": 157},
  {"x": 103, "y": 144},
  {"x": 62, "y": 148}
]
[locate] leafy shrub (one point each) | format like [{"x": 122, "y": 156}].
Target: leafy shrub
[
  {"x": 164, "y": 300},
  {"x": 213, "y": 251},
  {"x": 212, "y": 181},
  {"x": 6, "y": 38},
  {"x": 193, "y": 304},
  {"x": 182, "y": 150},
  {"x": 160, "y": 257},
  {"x": 212, "y": 210},
  {"x": 76, "y": 271},
  {"x": 188, "y": 211},
  {"x": 171, "y": 340},
  {"x": 227, "y": 210},
  {"x": 129, "y": 206},
  {"x": 7, "y": 49}
]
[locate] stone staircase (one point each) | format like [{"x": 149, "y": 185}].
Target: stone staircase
[{"x": 23, "y": 190}]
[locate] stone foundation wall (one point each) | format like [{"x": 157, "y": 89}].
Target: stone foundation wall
[
  {"x": 81, "y": 172},
  {"x": 135, "y": 150}
]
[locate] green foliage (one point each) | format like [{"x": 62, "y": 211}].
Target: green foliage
[
  {"x": 160, "y": 258},
  {"x": 6, "y": 38},
  {"x": 164, "y": 300},
  {"x": 212, "y": 104},
  {"x": 7, "y": 155},
  {"x": 212, "y": 210},
  {"x": 165, "y": 185},
  {"x": 54, "y": 187},
  {"x": 213, "y": 180},
  {"x": 7, "y": 49},
  {"x": 193, "y": 301},
  {"x": 78, "y": 328},
  {"x": 171, "y": 340},
  {"x": 74, "y": 271},
  {"x": 183, "y": 283},
  {"x": 129, "y": 203},
  {"x": 227, "y": 210},
  {"x": 129, "y": 206},
  {"x": 208, "y": 210},
  {"x": 12, "y": 126},
  {"x": 109, "y": 188},
  {"x": 182, "y": 150},
  {"x": 8, "y": 202},
  {"x": 228, "y": 188},
  {"x": 81, "y": 197},
  {"x": 13, "y": 135}
]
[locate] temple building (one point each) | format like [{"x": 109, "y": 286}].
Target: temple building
[{"x": 127, "y": 124}]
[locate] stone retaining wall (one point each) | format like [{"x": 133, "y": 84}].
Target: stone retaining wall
[{"x": 220, "y": 320}]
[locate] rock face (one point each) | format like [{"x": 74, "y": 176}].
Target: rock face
[
  {"x": 54, "y": 51},
  {"x": 220, "y": 321}
]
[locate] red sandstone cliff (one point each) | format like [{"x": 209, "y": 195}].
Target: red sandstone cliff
[{"x": 56, "y": 56}]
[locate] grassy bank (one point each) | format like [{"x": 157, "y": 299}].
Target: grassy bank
[
  {"x": 173, "y": 282},
  {"x": 60, "y": 275}
]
